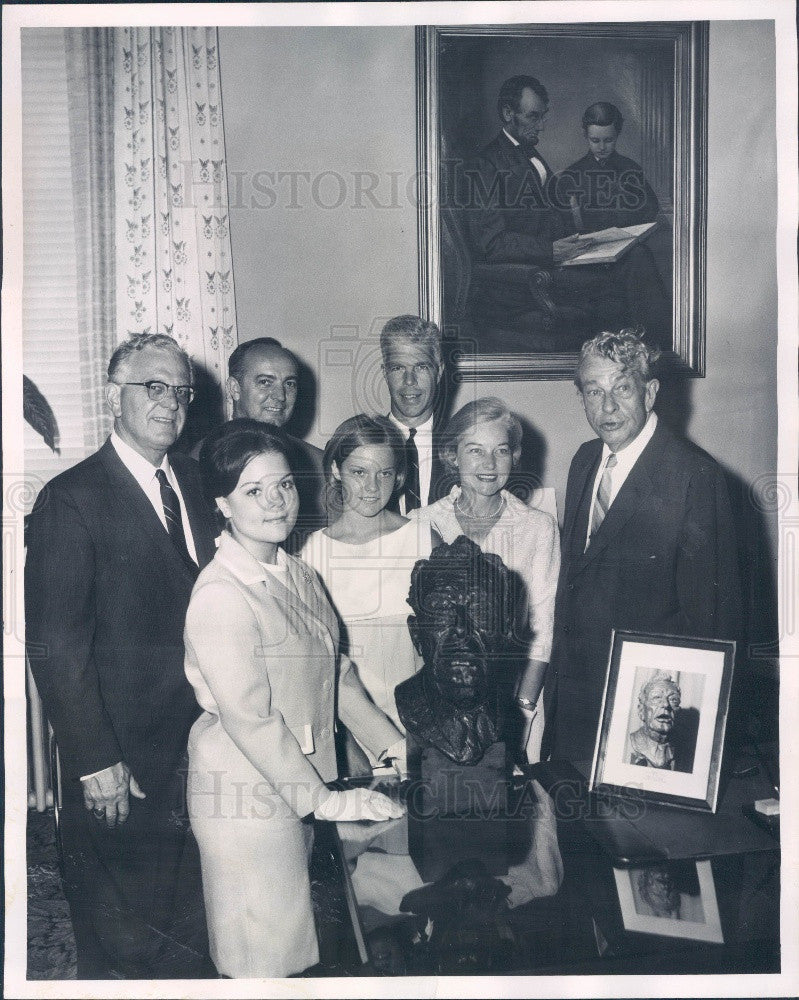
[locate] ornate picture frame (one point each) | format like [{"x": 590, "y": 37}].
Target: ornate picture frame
[{"x": 656, "y": 74}]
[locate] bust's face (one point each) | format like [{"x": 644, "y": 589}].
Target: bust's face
[
  {"x": 459, "y": 670},
  {"x": 454, "y": 604},
  {"x": 660, "y": 709},
  {"x": 659, "y": 890}
]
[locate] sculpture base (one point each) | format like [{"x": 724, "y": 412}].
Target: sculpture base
[{"x": 460, "y": 811}]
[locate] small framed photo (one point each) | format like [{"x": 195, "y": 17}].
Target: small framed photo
[
  {"x": 664, "y": 714},
  {"x": 676, "y": 899}
]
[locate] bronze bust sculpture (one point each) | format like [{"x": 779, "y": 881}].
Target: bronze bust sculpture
[
  {"x": 462, "y": 599},
  {"x": 658, "y": 705}
]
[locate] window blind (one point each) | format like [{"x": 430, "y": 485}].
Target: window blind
[{"x": 51, "y": 356}]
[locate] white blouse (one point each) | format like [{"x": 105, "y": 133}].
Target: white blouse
[{"x": 527, "y": 541}]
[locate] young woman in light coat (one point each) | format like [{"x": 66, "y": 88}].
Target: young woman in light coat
[{"x": 262, "y": 655}]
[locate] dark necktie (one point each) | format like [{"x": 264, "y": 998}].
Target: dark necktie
[
  {"x": 174, "y": 521},
  {"x": 412, "y": 497},
  {"x": 602, "y": 501}
]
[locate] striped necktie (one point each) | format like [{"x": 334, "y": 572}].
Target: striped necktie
[
  {"x": 413, "y": 498},
  {"x": 174, "y": 521},
  {"x": 602, "y": 501}
]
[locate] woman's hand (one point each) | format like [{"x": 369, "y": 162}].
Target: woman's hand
[
  {"x": 357, "y": 803},
  {"x": 396, "y": 757}
]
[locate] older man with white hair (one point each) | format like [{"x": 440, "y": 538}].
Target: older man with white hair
[
  {"x": 648, "y": 538},
  {"x": 114, "y": 547}
]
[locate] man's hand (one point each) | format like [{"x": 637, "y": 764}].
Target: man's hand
[{"x": 106, "y": 793}]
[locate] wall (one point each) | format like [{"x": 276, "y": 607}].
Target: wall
[
  {"x": 335, "y": 107},
  {"x": 342, "y": 100}
]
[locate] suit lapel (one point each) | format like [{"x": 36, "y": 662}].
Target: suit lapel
[
  {"x": 198, "y": 515},
  {"x": 637, "y": 487},
  {"x": 437, "y": 470},
  {"x": 246, "y": 568},
  {"x": 302, "y": 612},
  {"x": 132, "y": 505},
  {"x": 575, "y": 527},
  {"x": 523, "y": 164}
]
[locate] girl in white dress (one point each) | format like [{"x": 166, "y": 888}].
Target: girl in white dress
[
  {"x": 365, "y": 557},
  {"x": 482, "y": 443}
]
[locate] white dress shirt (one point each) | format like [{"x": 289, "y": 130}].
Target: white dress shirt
[
  {"x": 144, "y": 474},
  {"x": 536, "y": 161},
  {"x": 424, "y": 448},
  {"x": 625, "y": 460}
]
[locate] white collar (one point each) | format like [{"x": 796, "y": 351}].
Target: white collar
[
  {"x": 627, "y": 457},
  {"x": 533, "y": 156},
  {"x": 142, "y": 470},
  {"x": 243, "y": 564},
  {"x": 425, "y": 428}
]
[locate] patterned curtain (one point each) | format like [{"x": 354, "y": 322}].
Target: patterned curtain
[
  {"x": 174, "y": 272},
  {"x": 90, "y": 68}
]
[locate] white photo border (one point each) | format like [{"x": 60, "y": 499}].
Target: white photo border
[
  {"x": 707, "y": 930},
  {"x": 610, "y": 773}
]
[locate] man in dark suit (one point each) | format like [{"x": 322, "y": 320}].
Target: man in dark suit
[
  {"x": 263, "y": 384},
  {"x": 648, "y": 539},
  {"x": 114, "y": 547},
  {"x": 514, "y": 216},
  {"x": 413, "y": 367}
]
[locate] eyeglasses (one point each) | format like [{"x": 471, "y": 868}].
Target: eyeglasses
[{"x": 157, "y": 391}]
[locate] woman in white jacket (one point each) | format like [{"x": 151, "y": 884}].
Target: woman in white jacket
[
  {"x": 262, "y": 656},
  {"x": 481, "y": 444}
]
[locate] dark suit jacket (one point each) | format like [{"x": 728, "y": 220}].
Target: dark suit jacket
[
  {"x": 442, "y": 478},
  {"x": 106, "y": 594},
  {"x": 508, "y": 210},
  {"x": 664, "y": 560},
  {"x": 614, "y": 193},
  {"x": 309, "y": 476}
]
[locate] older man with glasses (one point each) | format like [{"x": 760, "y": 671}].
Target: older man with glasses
[{"x": 114, "y": 547}]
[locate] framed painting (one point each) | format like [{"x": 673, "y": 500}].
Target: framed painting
[
  {"x": 664, "y": 714},
  {"x": 562, "y": 191}
]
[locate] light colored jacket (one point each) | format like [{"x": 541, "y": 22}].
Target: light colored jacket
[{"x": 265, "y": 667}]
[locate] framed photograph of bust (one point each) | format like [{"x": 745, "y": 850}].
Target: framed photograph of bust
[
  {"x": 562, "y": 190},
  {"x": 663, "y": 719},
  {"x": 674, "y": 899}
]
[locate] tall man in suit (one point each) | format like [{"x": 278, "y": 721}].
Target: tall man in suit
[
  {"x": 513, "y": 201},
  {"x": 263, "y": 384},
  {"x": 114, "y": 547},
  {"x": 648, "y": 539},
  {"x": 413, "y": 367}
]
